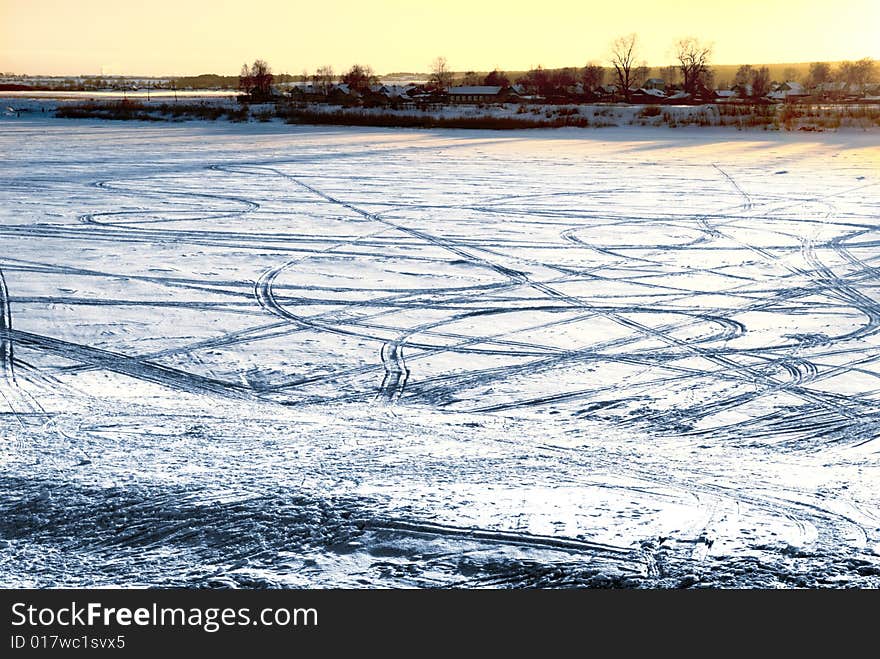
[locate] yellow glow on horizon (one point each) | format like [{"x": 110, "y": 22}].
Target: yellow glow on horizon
[{"x": 178, "y": 37}]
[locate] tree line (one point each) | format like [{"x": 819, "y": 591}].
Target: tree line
[{"x": 626, "y": 70}]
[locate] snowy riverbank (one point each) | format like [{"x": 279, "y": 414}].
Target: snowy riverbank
[{"x": 502, "y": 116}]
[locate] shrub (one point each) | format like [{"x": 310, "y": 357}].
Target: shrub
[
  {"x": 343, "y": 118},
  {"x": 264, "y": 116},
  {"x": 239, "y": 115}
]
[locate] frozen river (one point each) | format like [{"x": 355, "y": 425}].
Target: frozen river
[{"x": 265, "y": 355}]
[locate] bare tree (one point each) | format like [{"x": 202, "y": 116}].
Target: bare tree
[
  {"x": 744, "y": 75},
  {"x": 441, "y": 77},
  {"x": 820, "y": 73},
  {"x": 563, "y": 80},
  {"x": 324, "y": 78},
  {"x": 245, "y": 80},
  {"x": 623, "y": 57},
  {"x": 256, "y": 80},
  {"x": 868, "y": 68},
  {"x": 496, "y": 78},
  {"x": 760, "y": 82},
  {"x": 858, "y": 74},
  {"x": 263, "y": 78},
  {"x": 359, "y": 78},
  {"x": 707, "y": 80},
  {"x": 693, "y": 62},
  {"x": 536, "y": 81},
  {"x": 592, "y": 76}
]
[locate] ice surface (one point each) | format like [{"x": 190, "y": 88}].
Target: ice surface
[{"x": 264, "y": 355}]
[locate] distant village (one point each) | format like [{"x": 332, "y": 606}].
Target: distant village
[
  {"x": 652, "y": 91},
  {"x": 690, "y": 82}
]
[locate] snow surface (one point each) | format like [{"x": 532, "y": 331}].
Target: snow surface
[{"x": 267, "y": 355}]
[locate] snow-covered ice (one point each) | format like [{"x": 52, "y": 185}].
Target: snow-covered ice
[{"x": 266, "y": 355}]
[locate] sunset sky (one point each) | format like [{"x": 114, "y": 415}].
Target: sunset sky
[{"x": 166, "y": 37}]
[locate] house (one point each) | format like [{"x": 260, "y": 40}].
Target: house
[
  {"x": 308, "y": 91},
  {"x": 832, "y": 88},
  {"x": 743, "y": 90},
  {"x": 520, "y": 92},
  {"x": 389, "y": 94},
  {"x": 421, "y": 94},
  {"x": 653, "y": 92},
  {"x": 606, "y": 92},
  {"x": 642, "y": 95},
  {"x": 655, "y": 83},
  {"x": 844, "y": 90},
  {"x": 788, "y": 90},
  {"x": 477, "y": 94},
  {"x": 392, "y": 91},
  {"x": 341, "y": 93}
]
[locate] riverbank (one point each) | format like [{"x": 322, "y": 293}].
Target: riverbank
[{"x": 787, "y": 117}]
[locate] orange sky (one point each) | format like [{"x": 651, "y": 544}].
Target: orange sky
[{"x": 164, "y": 37}]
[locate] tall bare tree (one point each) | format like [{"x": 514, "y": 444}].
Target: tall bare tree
[
  {"x": 441, "y": 76},
  {"x": 624, "y": 53},
  {"x": 693, "y": 62}
]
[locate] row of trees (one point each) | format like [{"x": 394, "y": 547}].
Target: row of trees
[
  {"x": 691, "y": 72},
  {"x": 255, "y": 80},
  {"x": 851, "y": 74},
  {"x": 628, "y": 71},
  {"x": 692, "y": 58},
  {"x": 756, "y": 79},
  {"x": 858, "y": 73},
  {"x": 692, "y": 69}
]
